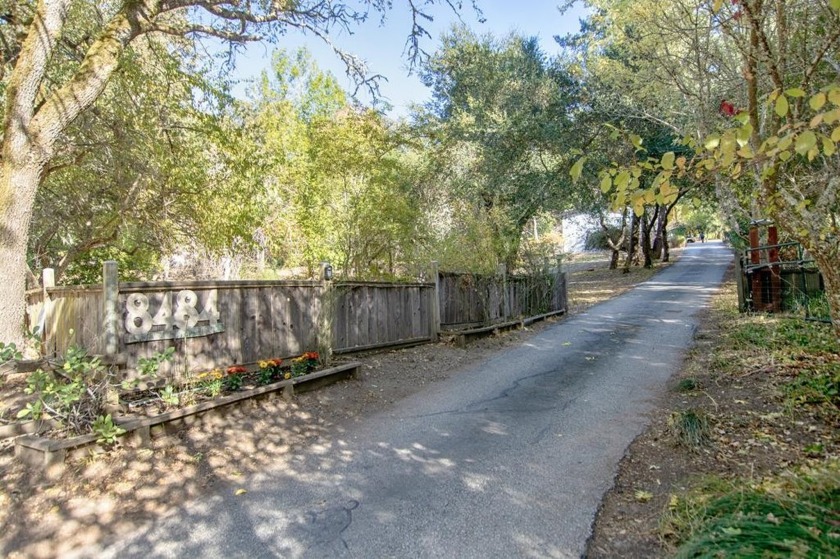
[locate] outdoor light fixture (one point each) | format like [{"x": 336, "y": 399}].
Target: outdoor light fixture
[{"x": 328, "y": 272}]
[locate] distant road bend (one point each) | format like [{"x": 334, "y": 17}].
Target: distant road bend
[{"x": 508, "y": 459}]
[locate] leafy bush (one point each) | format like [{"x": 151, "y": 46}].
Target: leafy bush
[
  {"x": 76, "y": 394},
  {"x": 597, "y": 239}
]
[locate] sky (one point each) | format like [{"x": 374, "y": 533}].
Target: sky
[{"x": 383, "y": 47}]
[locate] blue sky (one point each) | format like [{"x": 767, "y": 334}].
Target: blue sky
[{"x": 383, "y": 46}]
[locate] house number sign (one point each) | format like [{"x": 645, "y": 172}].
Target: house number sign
[{"x": 170, "y": 315}]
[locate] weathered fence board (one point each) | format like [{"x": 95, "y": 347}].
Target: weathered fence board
[
  {"x": 221, "y": 323},
  {"x": 379, "y": 314},
  {"x": 468, "y": 300}
]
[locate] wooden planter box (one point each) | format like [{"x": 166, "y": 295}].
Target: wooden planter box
[{"x": 50, "y": 454}]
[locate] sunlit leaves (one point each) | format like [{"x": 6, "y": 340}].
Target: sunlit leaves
[
  {"x": 668, "y": 160},
  {"x": 577, "y": 168},
  {"x": 805, "y": 142},
  {"x": 606, "y": 183},
  {"x": 817, "y": 101},
  {"x": 782, "y": 106}
]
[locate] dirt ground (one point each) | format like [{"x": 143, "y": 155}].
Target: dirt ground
[
  {"x": 753, "y": 435},
  {"x": 108, "y": 494}
]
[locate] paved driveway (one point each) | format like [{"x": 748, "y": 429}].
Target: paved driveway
[{"x": 508, "y": 459}]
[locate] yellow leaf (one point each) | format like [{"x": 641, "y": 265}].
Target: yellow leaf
[
  {"x": 835, "y": 4},
  {"x": 828, "y": 147},
  {"x": 577, "y": 169},
  {"x": 784, "y": 156},
  {"x": 795, "y": 92},
  {"x": 744, "y": 134},
  {"x": 622, "y": 179},
  {"x": 782, "y": 106},
  {"x": 805, "y": 142},
  {"x": 816, "y": 121},
  {"x": 817, "y": 101},
  {"x": 834, "y": 96},
  {"x": 746, "y": 152},
  {"x": 831, "y": 116},
  {"x": 636, "y": 141},
  {"x": 813, "y": 153},
  {"x": 668, "y": 160},
  {"x": 649, "y": 197},
  {"x": 712, "y": 142},
  {"x": 240, "y": 492},
  {"x": 606, "y": 184},
  {"x": 785, "y": 142},
  {"x": 835, "y": 135},
  {"x": 639, "y": 207},
  {"x": 681, "y": 162}
]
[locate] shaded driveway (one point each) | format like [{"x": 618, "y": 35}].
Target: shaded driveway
[{"x": 508, "y": 459}]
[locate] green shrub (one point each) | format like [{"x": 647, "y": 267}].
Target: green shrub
[{"x": 796, "y": 515}]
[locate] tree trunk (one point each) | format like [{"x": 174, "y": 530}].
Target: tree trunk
[
  {"x": 645, "y": 235},
  {"x": 32, "y": 126},
  {"x": 631, "y": 243},
  {"x": 615, "y": 245},
  {"x": 831, "y": 275},
  {"x": 14, "y": 232},
  {"x": 644, "y": 240},
  {"x": 614, "y": 259}
]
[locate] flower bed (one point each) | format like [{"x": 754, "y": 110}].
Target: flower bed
[
  {"x": 208, "y": 385},
  {"x": 49, "y": 454}
]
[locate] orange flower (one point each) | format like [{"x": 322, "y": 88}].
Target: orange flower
[{"x": 235, "y": 369}]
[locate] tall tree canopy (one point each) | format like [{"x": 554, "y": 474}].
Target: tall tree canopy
[
  {"x": 502, "y": 129},
  {"x": 760, "y": 83},
  {"x": 59, "y": 55}
]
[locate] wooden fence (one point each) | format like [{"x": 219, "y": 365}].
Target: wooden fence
[
  {"x": 468, "y": 300},
  {"x": 219, "y": 323}
]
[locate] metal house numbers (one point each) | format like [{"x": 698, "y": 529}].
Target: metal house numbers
[{"x": 177, "y": 314}]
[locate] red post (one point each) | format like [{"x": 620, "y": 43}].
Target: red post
[
  {"x": 775, "y": 301},
  {"x": 755, "y": 281}
]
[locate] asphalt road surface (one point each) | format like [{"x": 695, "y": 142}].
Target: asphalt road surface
[{"x": 508, "y": 459}]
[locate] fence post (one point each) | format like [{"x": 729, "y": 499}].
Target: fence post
[
  {"x": 501, "y": 270},
  {"x": 435, "y": 303},
  {"x": 325, "y": 315},
  {"x": 110, "y": 315},
  {"x": 48, "y": 281}
]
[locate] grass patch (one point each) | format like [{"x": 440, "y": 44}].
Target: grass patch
[
  {"x": 690, "y": 428},
  {"x": 688, "y": 384},
  {"x": 794, "y": 515}
]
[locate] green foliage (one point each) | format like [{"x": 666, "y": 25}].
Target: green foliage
[
  {"x": 169, "y": 395},
  {"x": 106, "y": 430},
  {"x": 501, "y": 132},
  {"x": 791, "y": 516},
  {"x": 688, "y": 384},
  {"x": 304, "y": 364},
  {"x": 213, "y": 387},
  {"x": 233, "y": 382},
  {"x": 74, "y": 395},
  {"x": 9, "y": 352},
  {"x": 150, "y": 180},
  {"x": 148, "y": 367}
]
